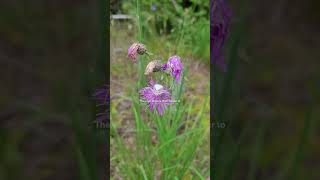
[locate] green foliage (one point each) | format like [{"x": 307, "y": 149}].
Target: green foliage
[{"x": 185, "y": 26}]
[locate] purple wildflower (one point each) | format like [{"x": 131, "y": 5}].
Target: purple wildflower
[
  {"x": 102, "y": 94},
  {"x": 157, "y": 97},
  {"x": 134, "y": 50},
  {"x": 175, "y": 66},
  {"x": 220, "y": 16}
]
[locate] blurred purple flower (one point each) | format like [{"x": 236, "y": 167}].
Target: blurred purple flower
[
  {"x": 175, "y": 67},
  {"x": 220, "y": 16},
  {"x": 157, "y": 97},
  {"x": 151, "y": 82},
  {"x": 164, "y": 67},
  {"x": 102, "y": 97},
  {"x": 134, "y": 50},
  {"x": 102, "y": 94}
]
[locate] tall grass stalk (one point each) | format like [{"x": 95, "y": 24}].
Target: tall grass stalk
[
  {"x": 291, "y": 169},
  {"x": 141, "y": 60},
  {"x": 256, "y": 150}
]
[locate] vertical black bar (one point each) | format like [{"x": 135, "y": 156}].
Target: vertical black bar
[{"x": 104, "y": 65}]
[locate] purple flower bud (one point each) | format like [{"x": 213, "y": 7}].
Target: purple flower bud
[
  {"x": 220, "y": 16},
  {"x": 157, "y": 97},
  {"x": 134, "y": 50},
  {"x": 175, "y": 66}
]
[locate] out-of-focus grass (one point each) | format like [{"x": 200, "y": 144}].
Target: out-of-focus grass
[{"x": 267, "y": 100}]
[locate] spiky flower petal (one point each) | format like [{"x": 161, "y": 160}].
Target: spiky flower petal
[
  {"x": 175, "y": 67},
  {"x": 157, "y": 97},
  {"x": 102, "y": 97}
]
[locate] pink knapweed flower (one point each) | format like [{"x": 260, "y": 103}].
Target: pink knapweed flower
[
  {"x": 134, "y": 50},
  {"x": 175, "y": 67},
  {"x": 157, "y": 97}
]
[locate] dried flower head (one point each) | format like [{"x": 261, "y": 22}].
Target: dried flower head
[
  {"x": 153, "y": 66},
  {"x": 175, "y": 67},
  {"x": 157, "y": 97},
  {"x": 135, "y": 49},
  {"x": 220, "y": 16}
]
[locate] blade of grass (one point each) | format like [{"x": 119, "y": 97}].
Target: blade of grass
[
  {"x": 292, "y": 168},
  {"x": 128, "y": 160},
  {"x": 256, "y": 150},
  {"x": 230, "y": 166},
  {"x": 86, "y": 145},
  {"x": 143, "y": 173},
  {"x": 197, "y": 173},
  {"x": 83, "y": 167}
]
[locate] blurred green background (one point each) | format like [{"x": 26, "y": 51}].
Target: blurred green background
[
  {"x": 49, "y": 51},
  {"x": 269, "y": 96}
]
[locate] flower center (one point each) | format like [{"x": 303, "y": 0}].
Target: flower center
[{"x": 157, "y": 87}]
